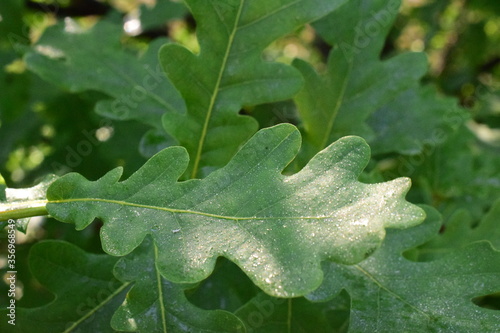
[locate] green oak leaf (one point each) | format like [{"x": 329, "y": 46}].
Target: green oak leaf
[
  {"x": 430, "y": 117},
  {"x": 357, "y": 82},
  {"x": 156, "y": 305},
  {"x": 460, "y": 173},
  {"x": 86, "y": 292},
  {"x": 266, "y": 314},
  {"x": 392, "y": 294},
  {"x": 458, "y": 233},
  {"x": 79, "y": 60},
  {"x": 276, "y": 228},
  {"x": 229, "y": 72}
]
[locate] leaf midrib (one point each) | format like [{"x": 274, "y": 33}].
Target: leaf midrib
[
  {"x": 160, "y": 292},
  {"x": 338, "y": 105},
  {"x": 185, "y": 211},
  {"x": 215, "y": 92}
]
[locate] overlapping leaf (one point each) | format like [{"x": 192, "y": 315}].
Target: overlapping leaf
[
  {"x": 3, "y": 198},
  {"x": 460, "y": 173},
  {"x": 357, "y": 82},
  {"x": 229, "y": 72},
  {"x": 266, "y": 314},
  {"x": 391, "y": 294},
  {"x": 275, "y": 228},
  {"x": 86, "y": 292},
  {"x": 20, "y": 203},
  {"x": 11, "y": 25},
  {"x": 160, "y": 13},
  {"x": 94, "y": 59},
  {"x": 157, "y": 305},
  {"x": 459, "y": 233}
]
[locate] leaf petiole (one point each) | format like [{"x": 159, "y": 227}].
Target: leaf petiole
[{"x": 19, "y": 210}]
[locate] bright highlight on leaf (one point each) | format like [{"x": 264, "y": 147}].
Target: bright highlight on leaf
[{"x": 276, "y": 228}]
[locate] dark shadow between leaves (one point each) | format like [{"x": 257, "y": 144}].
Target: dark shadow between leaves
[
  {"x": 491, "y": 301},
  {"x": 227, "y": 288}
]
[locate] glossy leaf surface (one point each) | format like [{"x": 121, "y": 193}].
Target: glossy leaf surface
[{"x": 274, "y": 227}]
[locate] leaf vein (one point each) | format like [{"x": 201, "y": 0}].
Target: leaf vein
[
  {"x": 392, "y": 293},
  {"x": 215, "y": 93}
]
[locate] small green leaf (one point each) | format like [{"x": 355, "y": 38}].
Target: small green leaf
[
  {"x": 229, "y": 72},
  {"x": 86, "y": 292},
  {"x": 357, "y": 82},
  {"x": 94, "y": 59},
  {"x": 157, "y": 305},
  {"x": 391, "y": 294},
  {"x": 275, "y": 228}
]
